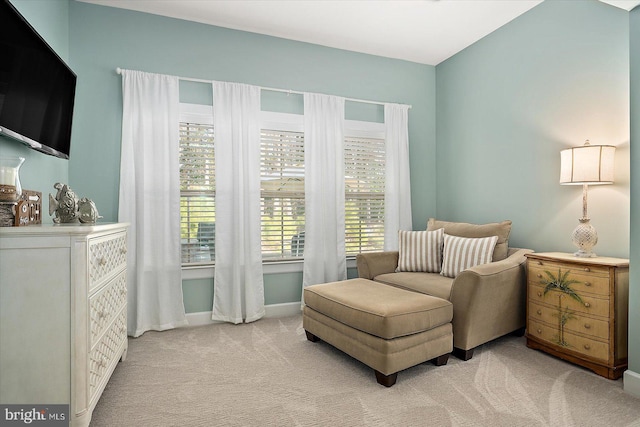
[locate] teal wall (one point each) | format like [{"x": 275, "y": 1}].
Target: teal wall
[
  {"x": 40, "y": 171},
  {"x": 634, "y": 291},
  {"x": 104, "y": 38},
  {"x": 506, "y": 105}
]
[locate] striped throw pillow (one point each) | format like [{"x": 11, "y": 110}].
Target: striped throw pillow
[
  {"x": 420, "y": 251},
  {"x": 461, "y": 253}
]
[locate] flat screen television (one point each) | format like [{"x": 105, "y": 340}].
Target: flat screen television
[{"x": 37, "y": 88}]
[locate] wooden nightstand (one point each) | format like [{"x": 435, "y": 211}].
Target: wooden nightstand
[{"x": 584, "y": 319}]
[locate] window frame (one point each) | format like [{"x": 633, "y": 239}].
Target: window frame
[{"x": 196, "y": 113}]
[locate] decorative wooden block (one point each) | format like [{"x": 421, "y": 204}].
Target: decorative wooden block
[{"x": 29, "y": 208}]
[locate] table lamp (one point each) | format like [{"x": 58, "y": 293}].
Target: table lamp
[{"x": 586, "y": 165}]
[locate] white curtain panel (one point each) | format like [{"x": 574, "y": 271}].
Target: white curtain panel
[
  {"x": 324, "y": 246},
  {"x": 149, "y": 200},
  {"x": 397, "y": 198},
  {"x": 238, "y": 283}
]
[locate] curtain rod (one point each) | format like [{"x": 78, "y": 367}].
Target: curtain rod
[{"x": 272, "y": 89}]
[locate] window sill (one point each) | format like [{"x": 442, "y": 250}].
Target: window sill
[{"x": 207, "y": 271}]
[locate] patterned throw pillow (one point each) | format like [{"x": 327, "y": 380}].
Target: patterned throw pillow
[
  {"x": 461, "y": 253},
  {"x": 420, "y": 251}
]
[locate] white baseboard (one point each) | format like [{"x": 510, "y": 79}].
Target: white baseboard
[
  {"x": 272, "y": 310},
  {"x": 631, "y": 383}
]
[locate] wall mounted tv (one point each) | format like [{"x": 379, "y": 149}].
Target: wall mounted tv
[{"x": 37, "y": 88}]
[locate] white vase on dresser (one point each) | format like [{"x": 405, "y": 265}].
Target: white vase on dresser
[{"x": 63, "y": 314}]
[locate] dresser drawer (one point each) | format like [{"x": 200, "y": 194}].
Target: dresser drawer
[
  {"x": 584, "y": 325},
  {"x": 105, "y": 305},
  {"x": 106, "y": 352},
  {"x": 107, "y": 255},
  {"x": 590, "y": 305},
  {"x": 588, "y": 347},
  {"x": 593, "y": 280}
]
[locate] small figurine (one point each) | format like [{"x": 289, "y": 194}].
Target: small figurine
[
  {"x": 69, "y": 209},
  {"x": 88, "y": 211},
  {"x": 65, "y": 204}
]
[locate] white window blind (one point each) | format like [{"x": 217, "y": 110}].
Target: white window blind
[
  {"x": 282, "y": 194},
  {"x": 364, "y": 194},
  {"x": 197, "y": 193}
]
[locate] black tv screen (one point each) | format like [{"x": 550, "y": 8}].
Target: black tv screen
[{"x": 37, "y": 88}]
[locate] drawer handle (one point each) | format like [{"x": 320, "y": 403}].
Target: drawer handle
[
  {"x": 539, "y": 331},
  {"x": 587, "y": 347},
  {"x": 102, "y": 261},
  {"x": 586, "y": 304},
  {"x": 539, "y": 293},
  {"x": 539, "y": 312},
  {"x": 587, "y": 326},
  {"x": 539, "y": 276},
  {"x": 587, "y": 283},
  {"x": 587, "y": 269},
  {"x": 540, "y": 263}
]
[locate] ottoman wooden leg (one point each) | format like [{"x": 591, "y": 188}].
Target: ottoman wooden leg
[
  {"x": 311, "y": 337},
  {"x": 386, "y": 380}
]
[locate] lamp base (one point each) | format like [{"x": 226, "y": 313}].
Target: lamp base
[{"x": 585, "y": 237}]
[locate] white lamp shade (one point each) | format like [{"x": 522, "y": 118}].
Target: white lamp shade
[{"x": 589, "y": 164}]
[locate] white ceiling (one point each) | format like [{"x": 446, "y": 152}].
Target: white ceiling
[{"x": 423, "y": 31}]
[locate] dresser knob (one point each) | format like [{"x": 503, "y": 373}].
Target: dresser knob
[
  {"x": 539, "y": 276},
  {"x": 587, "y": 347},
  {"x": 586, "y": 304},
  {"x": 540, "y": 263},
  {"x": 102, "y": 261},
  {"x": 539, "y": 331},
  {"x": 587, "y": 269},
  {"x": 587, "y": 326},
  {"x": 539, "y": 293},
  {"x": 587, "y": 283},
  {"x": 539, "y": 312}
]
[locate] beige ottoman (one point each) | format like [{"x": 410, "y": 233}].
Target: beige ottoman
[{"x": 386, "y": 328}]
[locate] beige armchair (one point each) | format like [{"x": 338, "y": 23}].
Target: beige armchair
[{"x": 488, "y": 300}]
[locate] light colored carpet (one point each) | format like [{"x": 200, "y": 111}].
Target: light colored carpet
[{"x": 267, "y": 374}]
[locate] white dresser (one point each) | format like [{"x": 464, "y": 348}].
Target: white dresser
[{"x": 63, "y": 313}]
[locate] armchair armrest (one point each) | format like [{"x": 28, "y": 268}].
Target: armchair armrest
[
  {"x": 373, "y": 264},
  {"x": 489, "y": 300}
]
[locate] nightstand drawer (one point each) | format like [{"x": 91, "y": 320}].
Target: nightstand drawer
[
  {"x": 107, "y": 255},
  {"x": 107, "y": 351},
  {"x": 590, "y": 305},
  {"x": 105, "y": 305},
  {"x": 588, "y": 347},
  {"x": 584, "y": 325},
  {"x": 595, "y": 281}
]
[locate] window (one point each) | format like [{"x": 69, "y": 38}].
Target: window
[
  {"x": 197, "y": 193},
  {"x": 364, "y": 161},
  {"x": 281, "y": 188},
  {"x": 282, "y": 194}
]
